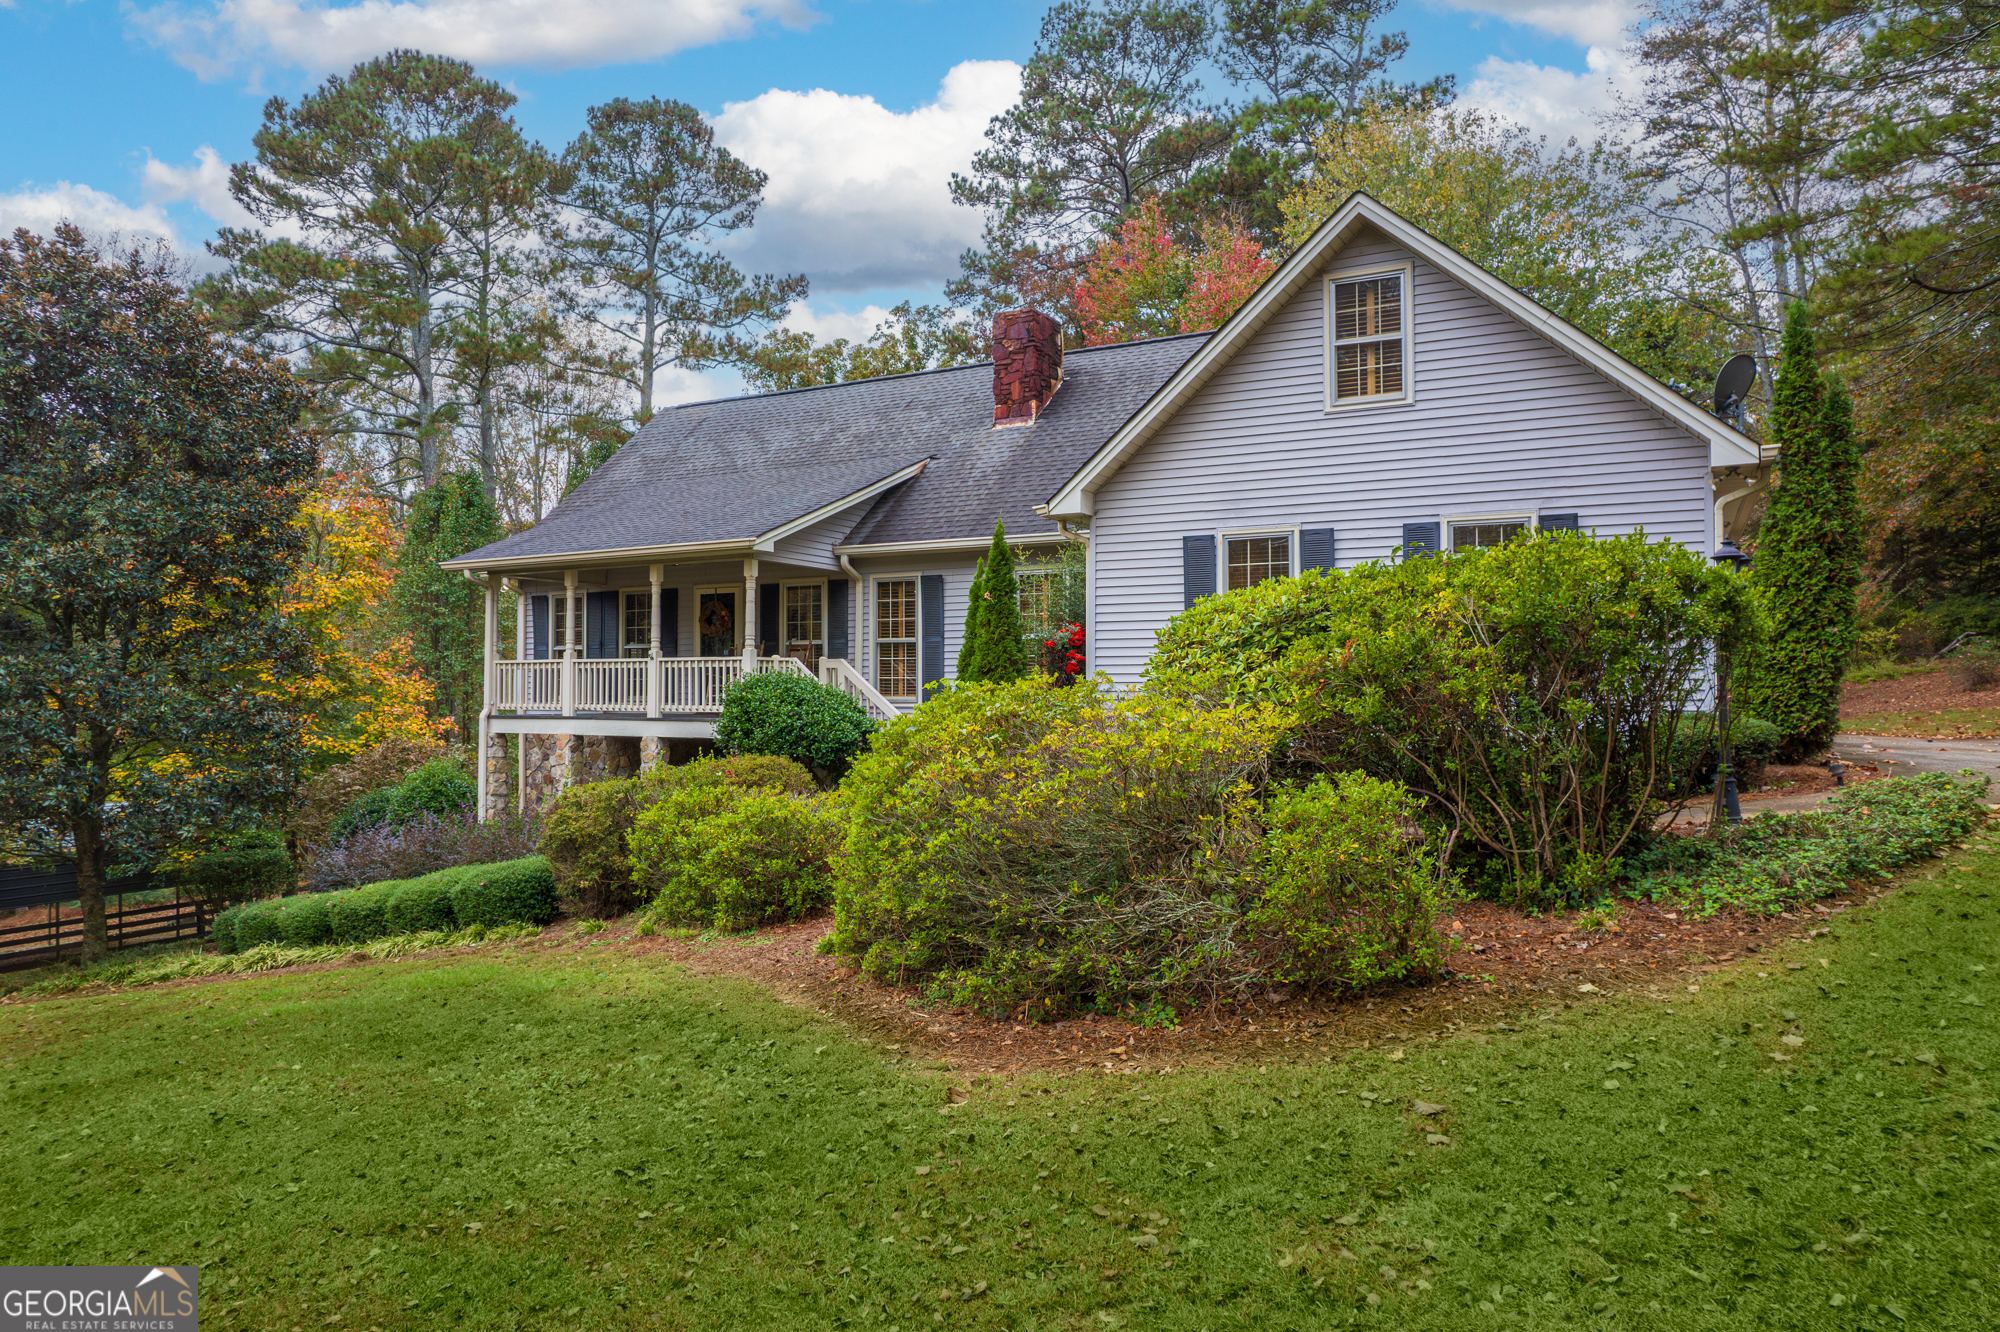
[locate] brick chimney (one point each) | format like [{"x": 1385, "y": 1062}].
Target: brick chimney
[{"x": 1027, "y": 365}]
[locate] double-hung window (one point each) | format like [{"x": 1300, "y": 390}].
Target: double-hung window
[
  {"x": 637, "y": 629},
  {"x": 896, "y": 637},
  {"x": 1368, "y": 338},
  {"x": 1256, "y": 559},
  {"x": 805, "y": 622}
]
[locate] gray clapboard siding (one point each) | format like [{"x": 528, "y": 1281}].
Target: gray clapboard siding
[
  {"x": 1501, "y": 421},
  {"x": 813, "y": 546}
]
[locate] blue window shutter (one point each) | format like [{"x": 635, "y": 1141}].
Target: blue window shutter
[
  {"x": 538, "y": 628},
  {"x": 670, "y": 622},
  {"x": 600, "y": 624},
  {"x": 1420, "y": 540},
  {"x": 1197, "y": 568},
  {"x": 1315, "y": 548},
  {"x": 1559, "y": 522},
  {"x": 768, "y": 628},
  {"x": 930, "y": 632},
  {"x": 836, "y": 618}
]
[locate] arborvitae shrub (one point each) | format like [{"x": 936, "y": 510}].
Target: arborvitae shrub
[{"x": 513, "y": 892}]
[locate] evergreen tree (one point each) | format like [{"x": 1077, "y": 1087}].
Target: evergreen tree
[
  {"x": 443, "y": 612},
  {"x": 995, "y": 644},
  {"x": 150, "y": 680},
  {"x": 1808, "y": 555}
]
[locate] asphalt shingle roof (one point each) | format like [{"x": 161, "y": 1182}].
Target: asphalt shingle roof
[{"x": 734, "y": 469}]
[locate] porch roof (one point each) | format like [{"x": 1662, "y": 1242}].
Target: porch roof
[{"x": 738, "y": 470}]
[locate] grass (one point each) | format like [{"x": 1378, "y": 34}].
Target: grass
[
  {"x": 1876, "y": 671},
  {"x": 519, "y": 1139},
  {"x": 1970, "y": 723}
]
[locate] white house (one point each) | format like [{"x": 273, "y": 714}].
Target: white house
[{"x": 1380, "y": 394}]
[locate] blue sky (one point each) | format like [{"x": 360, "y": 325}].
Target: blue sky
[{"x": 126, "y": 115}]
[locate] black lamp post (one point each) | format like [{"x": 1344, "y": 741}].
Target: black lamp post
[{"x": 1728, "y": 554}]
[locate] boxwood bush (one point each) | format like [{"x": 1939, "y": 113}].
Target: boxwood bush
[
  {"x": 793, "y": 717},
  {"x": 238, "y": 867},
  {"x": 512, "y": 892},
  {"x": 517, "y": 892}
]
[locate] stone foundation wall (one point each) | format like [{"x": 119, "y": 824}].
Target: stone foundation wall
[
  {"x": 554, "y": 763},
  {"x": 499, "y": 776}
]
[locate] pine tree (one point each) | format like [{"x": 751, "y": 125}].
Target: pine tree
[
  {"x": 995, "y": 645},
  {"x": 1808, "y": 555}
]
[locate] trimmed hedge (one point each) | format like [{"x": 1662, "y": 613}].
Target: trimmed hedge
[
  {"x": 737, "y": 860},
  {"x": 240, "y": 868},
  {"x": 513, "y": 892}
]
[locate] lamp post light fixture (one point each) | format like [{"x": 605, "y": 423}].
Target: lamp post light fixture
[{"x": 1725, "y": 772}]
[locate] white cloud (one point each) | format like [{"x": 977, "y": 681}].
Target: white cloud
[
  {"x": 203, "y": 183},
  {"x": 1549, "y": 100},
  {"x": 1595, "y": 23},
  {"x": 102, "y": 216},
  {"x": 217, "y": 38},
  {"x": 859, "y": 195},
  {"x": 826, "y": 325}
]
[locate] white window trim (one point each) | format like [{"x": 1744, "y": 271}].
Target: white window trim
[
  {"x": 644, "y": 590},
  {"x": 875, "y": 639},
  {"x": 819, "y": 583},
  {"x": 1224, "y": 535},
  {"x": 1532, "y": 517},
  {"x": 1409, "y": 393}
]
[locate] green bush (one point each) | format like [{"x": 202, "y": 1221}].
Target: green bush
[
  {"x": 424, "y": 904},
  {"x": 238, "y": 868},
  {"x": 259, "y": 923},
  {"x": 361, "y": 914},
  {"x": 793, "y": 717},
  {"x": 753, "y": 857},
  {"x": 1032, "y": 848},
  {"x": 513, "y": 892},
  {"x": 1532, "y": 694},
  {"x": 586, "y": 832},
  {"x": 440, "y": 786},
  {"x": 1754, "y": 743},
  {"x": 369, "y": 810},
  {"x": 305, "y": 920},
  {"x": 584, "y": 837},
  {"x": 1352, "y": 891},
  {"x": 1767, "y": 861},
  {"x": 664, "y": 841},
  {"x": 222, "y": 930}
]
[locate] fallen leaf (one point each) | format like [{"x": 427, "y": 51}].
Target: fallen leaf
[
  {"x": 1790, "y": 1039},
  {"x": 1428, "y": 1108},
  {"x": 923, "y": 1170},
  {"x": 1588, "y": 989},
  {"x": 1351, "y": 1219},
  {"x": 1611, "y": 1084},
  {"x": 1437, "y": 1140}
]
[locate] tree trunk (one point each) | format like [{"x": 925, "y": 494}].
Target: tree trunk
[
  {"x": 489, "y": 443},
  {"x": 90, "y": 888}
]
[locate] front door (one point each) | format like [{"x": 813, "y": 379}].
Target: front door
[{"x": 715, "y": 621}]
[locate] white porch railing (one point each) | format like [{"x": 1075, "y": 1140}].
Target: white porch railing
[
  {"x": 842, "y": 675},
  {"x": 627, "y": 686}
]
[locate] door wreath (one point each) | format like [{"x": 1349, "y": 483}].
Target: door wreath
[{"x": 716, "y": 621}]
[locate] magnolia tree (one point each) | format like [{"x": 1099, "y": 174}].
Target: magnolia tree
[{"x": 153, "y": 479}]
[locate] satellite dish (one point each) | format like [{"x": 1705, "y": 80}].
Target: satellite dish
[{"x": 1732, "y": 385}]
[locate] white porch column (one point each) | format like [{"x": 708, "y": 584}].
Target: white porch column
[
  {"x": 572, "y": 639},
  {"x": 520, "y": 623},
  {"x": 654, "y": 671},
  {"x": 749, "y": 616},
  {"x": 489, "y": 651}
]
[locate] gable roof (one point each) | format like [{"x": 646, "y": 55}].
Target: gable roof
[
  {"x": 1073, "y": 499},
  {"x": 740, "y": 473}
]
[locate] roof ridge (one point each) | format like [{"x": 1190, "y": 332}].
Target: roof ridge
[{"x": 932, "y": 370}]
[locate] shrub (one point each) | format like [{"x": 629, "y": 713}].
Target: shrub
[
  {"x": 423, "y": 904},
  {"x": 1754, "y": 742},
  {"x": 238, "y": 868},
  {"x": 326, "y": 796},
  {"x": 361, "y": 914},
  {"x": 441, "y": 786},
  {"x": 304, "y": 921},
  {"x": 371, "y": 809},
  {"x": 222, "y": 930},
  {"x": 1352, "y": 892},
  {"x": 259, "y": 923},
  {"x": 1531, "y": 694},
  {"x": 763, "y": 856},
  {"x": 517, "y": 892},
  {"x": 1772, "y": 859},
  {"x": 664, "y": 842},
  {"x": 1975, "y": 666},
  {"x": 1029, "y": 847},
  {"x": 427, "y": 843},
  {"x": 792, "y": 717},
  {"x": 587, "y": 830}
]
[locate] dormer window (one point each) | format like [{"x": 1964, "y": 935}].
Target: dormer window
[{"x": 1368, "y": 338}]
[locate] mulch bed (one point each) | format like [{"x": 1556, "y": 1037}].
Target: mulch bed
[{"x": 1508, "y": 958}]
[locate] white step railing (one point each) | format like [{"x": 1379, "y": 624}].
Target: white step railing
[{"x": 842, "y": 675}]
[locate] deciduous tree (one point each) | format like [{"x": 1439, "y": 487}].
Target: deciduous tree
[{"x": 151, "y": 479}]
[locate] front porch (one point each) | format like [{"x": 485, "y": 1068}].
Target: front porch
[{"x": 650, "y": 688}]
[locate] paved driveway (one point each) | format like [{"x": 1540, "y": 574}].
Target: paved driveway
[{"x": 1900, "y": 755}]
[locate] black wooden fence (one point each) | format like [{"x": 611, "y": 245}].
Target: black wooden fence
[{"x": 30, "y": 938}]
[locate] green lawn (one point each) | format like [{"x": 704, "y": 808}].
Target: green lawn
[
  {"x": 517, "y": 1138},
  {"x": 1969, "y": 722}
]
